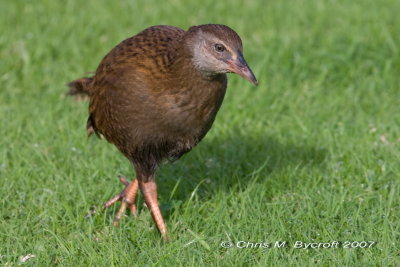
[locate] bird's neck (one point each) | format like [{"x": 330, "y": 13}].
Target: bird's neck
[{"x": 185, "y": 67}]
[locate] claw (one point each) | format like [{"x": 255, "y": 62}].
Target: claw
[
  {"x": 127, "y": 198},
  {"x": 112, "y": 201},
  {"x": 123, "y": 180},
  {"x": 121, "y": 210}
]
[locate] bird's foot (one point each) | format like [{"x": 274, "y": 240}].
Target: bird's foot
[
  {"x": 149, "y": 191},
  {"x": 127, "y": 198}
]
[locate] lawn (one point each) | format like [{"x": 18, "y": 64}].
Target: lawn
[{"x": 311, "y": 154}]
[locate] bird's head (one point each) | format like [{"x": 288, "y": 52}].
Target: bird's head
[{"x": 217, "y": 49}]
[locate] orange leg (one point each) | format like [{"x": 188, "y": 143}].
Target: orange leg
[
  {"x": 149, "y": 191},
  {"x": 127, "y": 198}
]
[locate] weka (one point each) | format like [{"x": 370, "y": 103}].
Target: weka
[{"x": 155, "y": 95}]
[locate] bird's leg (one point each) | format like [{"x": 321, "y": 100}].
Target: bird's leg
[
  {"x": 149, "y": 191},
  {"x": 127, "y": 198}
]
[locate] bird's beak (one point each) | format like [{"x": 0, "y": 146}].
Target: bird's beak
[{"x": 239, "y": 66}]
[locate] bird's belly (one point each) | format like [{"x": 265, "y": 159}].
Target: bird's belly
[
  {"x": 194, "y": 112},
  {"x": 190, "y": 120},
  {"x": 177, "y": 129}
]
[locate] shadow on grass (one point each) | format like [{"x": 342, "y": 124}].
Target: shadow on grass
[{"x": 223, "y": 163}]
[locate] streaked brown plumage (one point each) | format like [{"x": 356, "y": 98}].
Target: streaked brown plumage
[{"x": 156, "y": 95}]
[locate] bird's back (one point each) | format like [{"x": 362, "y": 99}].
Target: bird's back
[
  {"x": 151, "y": 49},
  {"x": 129, "y": 76}
]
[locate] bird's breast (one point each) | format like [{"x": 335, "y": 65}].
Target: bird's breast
[{"x": 192, "y": 108}]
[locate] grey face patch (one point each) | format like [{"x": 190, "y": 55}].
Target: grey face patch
[{"x": 205, "y": 58}]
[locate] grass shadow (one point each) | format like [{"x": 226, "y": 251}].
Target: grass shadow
[{"x": 222, "y": 163}]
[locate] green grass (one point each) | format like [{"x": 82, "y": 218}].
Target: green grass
[{"x": 311, "y": 155}]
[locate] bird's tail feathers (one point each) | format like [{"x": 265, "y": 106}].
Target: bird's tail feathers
[{"x": 81, "y": 88}]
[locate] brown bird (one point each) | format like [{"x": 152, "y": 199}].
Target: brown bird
[{"x": 155, "y": 96}]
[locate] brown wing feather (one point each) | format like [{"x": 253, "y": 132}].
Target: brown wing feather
[{"x": 134, "y": 60}]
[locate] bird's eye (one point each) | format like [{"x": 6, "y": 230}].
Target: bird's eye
[{"x": 219, "y": 48}]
